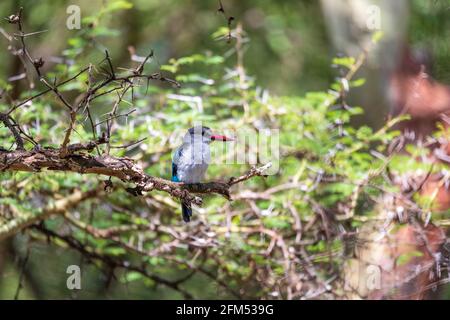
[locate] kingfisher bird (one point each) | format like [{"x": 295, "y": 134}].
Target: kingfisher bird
[{"x": 190, "y": 161}]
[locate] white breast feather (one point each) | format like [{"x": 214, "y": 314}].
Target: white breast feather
[{"x": 192, "y": 165}]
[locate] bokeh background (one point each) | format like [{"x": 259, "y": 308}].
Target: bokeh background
[{"x": 289, "y": 52}]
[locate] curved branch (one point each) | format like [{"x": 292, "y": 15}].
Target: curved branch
[
  {"x": 123, "y": 168},
  {"x": 113, "y": 262},
  {"x": 23, "y": 221}
]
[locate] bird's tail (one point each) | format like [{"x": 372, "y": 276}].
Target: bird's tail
[{"x": 186, "y": 209}]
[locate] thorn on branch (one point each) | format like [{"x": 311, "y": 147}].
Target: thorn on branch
[
  {"x": 6, "y": 119},
  {"x": 229, "y": 20},
  {"x": 221, "y": 9}
]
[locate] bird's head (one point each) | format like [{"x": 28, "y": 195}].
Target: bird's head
[{"x": 204, "y": 134}]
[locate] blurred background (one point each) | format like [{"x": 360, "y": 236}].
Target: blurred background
[
  {"x": 289, "y": 52},
  {"x": 291, "y": 42}
]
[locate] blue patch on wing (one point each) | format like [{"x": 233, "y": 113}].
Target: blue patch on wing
[
  {"x": 175, "y": 179},
  {"x": 174, "y": 172},
  {"x": 176, "y": 156}
]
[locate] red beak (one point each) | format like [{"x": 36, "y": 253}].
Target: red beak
[{"x": 217, "y": 137}]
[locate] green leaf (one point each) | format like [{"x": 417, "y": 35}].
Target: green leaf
[
  {"x": 118, "y": 5},
  {"x": 406, "y": 257},
  {"x": 357, "y": 83},
  {"x": 347, "y": 62},
  {"x": 377, "y": 36}
]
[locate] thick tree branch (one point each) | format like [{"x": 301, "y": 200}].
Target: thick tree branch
[{"x": 123, "y": 168}]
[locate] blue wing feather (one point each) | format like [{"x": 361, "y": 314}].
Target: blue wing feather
[
  {"x": 176, "y": 157},
  {"x": 174, "y": 172}
]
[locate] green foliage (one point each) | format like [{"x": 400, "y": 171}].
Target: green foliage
[{"x": 324, "y": 160}]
